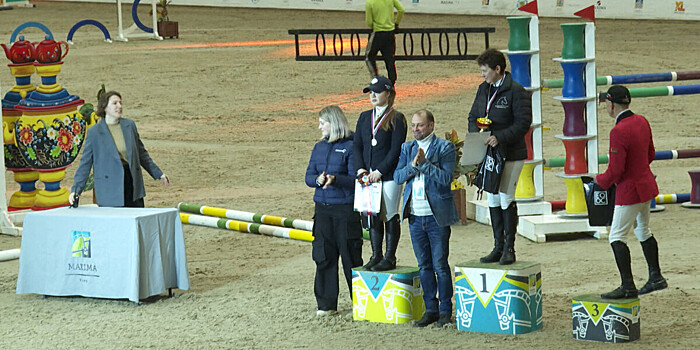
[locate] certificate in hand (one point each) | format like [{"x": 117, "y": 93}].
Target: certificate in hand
[
  {"x": 368, "y": 198},
  {"x": 474, "y": 148}
]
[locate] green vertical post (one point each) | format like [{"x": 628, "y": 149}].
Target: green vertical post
[
  {"x": 519, "y": 39},
  {"x": 573, "y": 47}
]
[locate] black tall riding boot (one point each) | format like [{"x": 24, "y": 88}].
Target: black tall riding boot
[
  {"x": 651, "y": 253},
  {"x": 622, "y": 258},
  {"x": 510, "y": 228},
  {"x": 376, "y": 236},
  {"x": 393, "y": 233},
  {"x": 497, "y": 226}
]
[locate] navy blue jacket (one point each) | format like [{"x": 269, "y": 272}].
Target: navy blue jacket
[
  {"x": 335, "y": 159},
  {"x": 511, "y": 114},
  {"x": 385, "y": 155}
]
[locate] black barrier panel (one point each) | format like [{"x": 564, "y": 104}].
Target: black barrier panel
[{"x": 412, "y": 44}]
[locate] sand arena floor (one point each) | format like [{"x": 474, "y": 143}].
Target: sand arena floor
[{"x": 233, "y": 127}]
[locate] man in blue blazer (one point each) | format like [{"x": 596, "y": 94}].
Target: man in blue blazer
[{"x": 426, "y": 166}]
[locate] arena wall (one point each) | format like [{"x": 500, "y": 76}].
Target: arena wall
[{"x": 622, "y": 9}]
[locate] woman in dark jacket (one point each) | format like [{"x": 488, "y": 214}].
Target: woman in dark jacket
[
  {"x": 508, "y": 107},
  {"x": 337, "y": 230},
  {"x": 377, "y": 147}
]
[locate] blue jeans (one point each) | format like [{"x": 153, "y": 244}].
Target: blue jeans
[{"x": 431, "y": 244}]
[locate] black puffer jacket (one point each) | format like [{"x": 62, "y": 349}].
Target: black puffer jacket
[{"x": 511, "y": 114}]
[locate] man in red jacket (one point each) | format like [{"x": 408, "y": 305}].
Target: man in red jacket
[{"x": 631, "y": 152}]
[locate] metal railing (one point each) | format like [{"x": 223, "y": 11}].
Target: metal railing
[{"x": 418, "y": 44}]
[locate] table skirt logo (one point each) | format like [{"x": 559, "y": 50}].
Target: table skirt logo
[
  {"x": 81, "y": 247},
  {"x": 679, "y": 6}
]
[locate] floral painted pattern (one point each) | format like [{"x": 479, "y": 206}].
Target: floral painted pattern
[
  {"x": 52, "y": 133},
  {"x": 65, "y": 140},
  {"x": 14, "y": 159},
  {"x": 50, "y": 144},
  {"x": 77, "y": 128},
  {"x": 26, "y": 135}
]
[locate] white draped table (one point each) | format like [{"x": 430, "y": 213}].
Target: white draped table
[{"x": 116, "y": 253}]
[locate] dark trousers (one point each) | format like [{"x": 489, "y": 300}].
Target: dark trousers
[
  {"x": 383, "y": 42},
  {"x": 337, "y": 233},
  {"x": 129, "y": 201}
]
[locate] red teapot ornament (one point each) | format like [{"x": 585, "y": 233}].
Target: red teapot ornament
[
  {"x": 49, "y": 51},
  {"x": 21, "y": 51}
]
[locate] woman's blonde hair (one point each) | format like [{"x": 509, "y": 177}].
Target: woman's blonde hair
[{"x": 339, "y": 124}]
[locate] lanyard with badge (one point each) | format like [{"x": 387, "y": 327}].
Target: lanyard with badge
[
  {"x": 418, "y": 185},
  {"x": 375, "y": 128}
]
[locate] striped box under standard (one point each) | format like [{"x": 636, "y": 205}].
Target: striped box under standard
[
  {"x": 493, "y": 298},
  {"x": 393, "y": 296},
  {"x": 605, "y": 320}
]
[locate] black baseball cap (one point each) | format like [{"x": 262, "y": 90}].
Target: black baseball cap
[
  {"x": 379, "y": 84},
  {"x": 616, "y": 94}
]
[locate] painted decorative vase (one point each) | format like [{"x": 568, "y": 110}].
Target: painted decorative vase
[
  {"x": 23, "y": 174},
  {"x": 44, "y": 132},
  {"x": 50, "y": 141}
]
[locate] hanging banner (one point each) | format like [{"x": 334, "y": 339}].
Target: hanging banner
[{"x": 619, "y": 9}]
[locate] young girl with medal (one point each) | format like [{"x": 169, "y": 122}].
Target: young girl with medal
[
  {"x": 376, "y": 148},
  {"x": 503, "y": 107}
]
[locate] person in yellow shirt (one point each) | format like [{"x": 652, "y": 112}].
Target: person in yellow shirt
[{"x": 379, "y": 15}]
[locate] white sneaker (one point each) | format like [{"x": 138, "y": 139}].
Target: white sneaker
[{"x": 325, "y": 312}]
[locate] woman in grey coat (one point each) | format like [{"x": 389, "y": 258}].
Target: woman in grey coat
[{"x": 113, "y": 149}]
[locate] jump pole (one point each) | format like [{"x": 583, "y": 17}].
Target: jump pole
[
  {"x": 660, "y": 155},
  {"x": 630, "y": 79},
  {"x": 11, "y": 254},
  {"x": 246, "y": 216},
  {"x": 235, "y": 225},
  {"x": 656, "y": 91},
  {"x": 660, "y": 199},
  {"x": 672, "y": 198}
]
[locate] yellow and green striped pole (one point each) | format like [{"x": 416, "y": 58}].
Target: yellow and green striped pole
[
  {"x": 235, "y": 225},
  {"x": 246, "y": 216}
]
